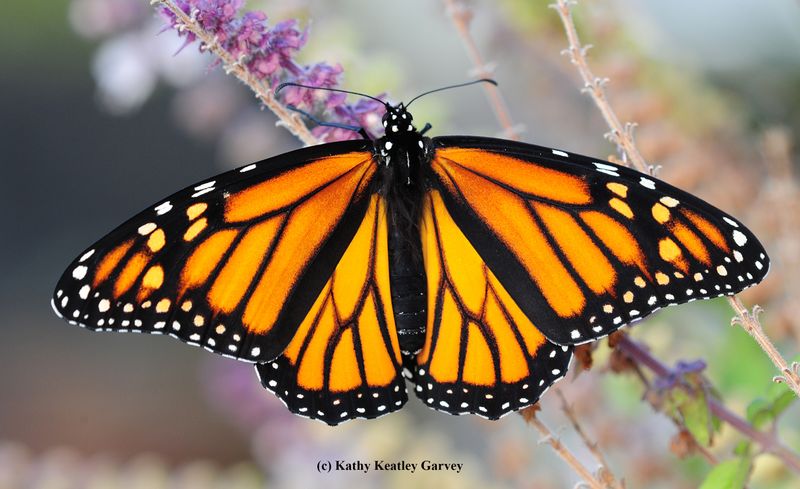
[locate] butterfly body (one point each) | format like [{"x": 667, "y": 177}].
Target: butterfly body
[
  {"x": 403, "y": 154},
  {"x": 470, "y": 266}
]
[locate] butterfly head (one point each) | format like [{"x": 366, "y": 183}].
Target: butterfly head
[{"x": 397, "y": 120}]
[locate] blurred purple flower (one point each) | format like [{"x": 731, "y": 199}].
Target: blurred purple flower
[
  {"x": 682, "y": 368},
  {"x": 319, "y": 75},
  {"x": 268, "y": 53},
  {"x": 96, "y": 18},
  {"x": 366, "y": 113}
]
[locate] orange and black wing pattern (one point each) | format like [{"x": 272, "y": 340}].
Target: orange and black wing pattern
[
  {"x": 583, "y": 246},
  {"x": 344, "y": 360},
  {"x": 481, "y": 354},
  {"x": 233, "y": 264}
]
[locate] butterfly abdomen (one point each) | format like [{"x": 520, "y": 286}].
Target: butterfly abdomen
[
  {"x": 400, "y": 186},
  {"x": 407, "y": 282}
]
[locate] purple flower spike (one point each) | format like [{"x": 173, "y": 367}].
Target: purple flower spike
[
  {"x": 250, "y": 34},
  {"x": 268, "y": 53},
  {"x": 285, "y": 40}
]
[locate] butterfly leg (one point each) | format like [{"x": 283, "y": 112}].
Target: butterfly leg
[{"x": 425, "y": 129}]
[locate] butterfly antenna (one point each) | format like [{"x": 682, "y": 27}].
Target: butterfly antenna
[
  {"x": 292, "y": 84},
  {"x": 338, "y": 125},
  {"x": 482, "y": 80}
]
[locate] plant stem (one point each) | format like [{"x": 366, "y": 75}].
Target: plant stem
[
  {"x": 623, "y": 137},
  {"x": 461, "y": 16},
  {"x": 603, "y": 472},
  {"x": 749, "y": 322},
  {"x": 768, "y": 441},
  {"x": 529, "y": 414}
]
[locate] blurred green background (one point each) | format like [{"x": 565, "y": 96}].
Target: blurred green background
[{"x": 714, "y": 86}]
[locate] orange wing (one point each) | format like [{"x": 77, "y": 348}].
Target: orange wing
[
  {"x": 344, "y": 360},
  {"x": 584, "y": 247},
  {"x": 232, "y": 264},
  {"x": 481, "y": 354}
]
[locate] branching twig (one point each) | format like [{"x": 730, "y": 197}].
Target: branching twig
[
  {"x": 288, "y": 119},
  {"x": 529, "y": 414},
  {"x": 461, "y": 16},
  {"x": 603, "y": 472},
  {"x": 749, "y": 322},
  {"x": 623, "y": 137},
  {"x": 767, "y": 440}
]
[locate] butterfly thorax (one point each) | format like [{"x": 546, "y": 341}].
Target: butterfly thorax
[{"x": 402, "y": 152}]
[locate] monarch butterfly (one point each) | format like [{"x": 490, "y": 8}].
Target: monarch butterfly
[{"x": 468, "y": 265}]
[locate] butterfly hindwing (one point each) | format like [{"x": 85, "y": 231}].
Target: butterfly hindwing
[
  {"x": 232, "y": 264},
  {"x": 481, "y": 355},
  {"x": 585, "y": 246},
  {"x": 344, "y": 360}
]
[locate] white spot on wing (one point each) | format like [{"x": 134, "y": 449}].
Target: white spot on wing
[
  {"x": 162, "y": 209},
  {"x": 560, "y": 153},
  {"x": 86, "y": 255},
  {"x": 739, "y": 237},
  {"x": 248, "y": 168},
  {"x": 730, "y": 221},
  {"x": 603, "y": 166},
  {"x": 148, "y": 228},
  {"x": 201, "y": 192},
  {"x": 206, "y": 185},
  {"x": 80, "y": 272},
  {"x": 647, "y": 183}
]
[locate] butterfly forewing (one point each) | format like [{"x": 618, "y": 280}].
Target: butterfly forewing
[
  {"x": 232, "y": 264},
  {"x": 585, "y": 246}
]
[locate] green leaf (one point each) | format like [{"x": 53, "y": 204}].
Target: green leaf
[
  {"x": 742, "y": 448},
  {"x": 730, "y": 474},
  {"x": 783, "y": 400},
  {"x": 696, "y": 415},
  {"x": 759, "y": 412}
]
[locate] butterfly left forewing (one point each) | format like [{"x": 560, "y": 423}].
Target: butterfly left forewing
[
  {"x": 344, "y": 360},
  {"x": 231, "y": 264},
  {"x": 585, "y": 246}
]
